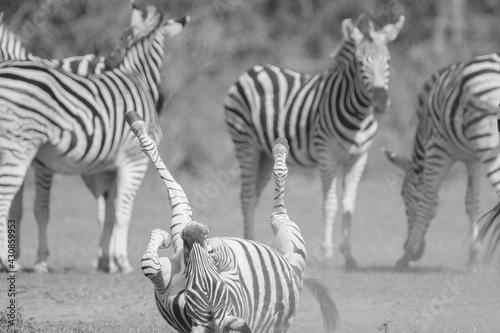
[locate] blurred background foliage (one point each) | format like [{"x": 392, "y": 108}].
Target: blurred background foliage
[{"x": 226, "y": 37}]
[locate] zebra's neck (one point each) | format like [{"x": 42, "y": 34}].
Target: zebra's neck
[
  {"x": 145, "y": 59},
  {"x": 346, "y": 99},
  {"x": 351, "y": 71}
]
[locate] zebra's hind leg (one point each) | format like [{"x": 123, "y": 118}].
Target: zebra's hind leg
[
  {"x": 13, "y": 167},
  {"x": 100, "y": 185},
  {"x": 352, "y": 175},
  {"x": 287, "y": 238},
  {"x": 249, "y": 159},
  {"x": 43, "y": 183},
  {"x": 472, "y": 208},
  {"x": 16, "y": 214}
]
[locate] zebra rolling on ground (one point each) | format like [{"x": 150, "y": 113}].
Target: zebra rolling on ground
[
  {"x": 457, "y": 121},
  {"x": 12, "y": 48},
  {"x": 327, "y": 118},
  {"x": 228, "y": 284},
  {"x": 72, "y": 124}
]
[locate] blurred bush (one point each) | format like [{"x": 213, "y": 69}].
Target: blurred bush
[{"x": 228, "y": 36}]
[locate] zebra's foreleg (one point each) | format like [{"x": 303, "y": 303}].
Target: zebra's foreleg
[
  {"x": 43, "y": 183},
  {"x": 329, "y": 174},
  {"x": 437, "y": 166},
  {"x": 129, "y": 179},
  {"x": 352, "y": 176},
  {"x": 248, "y": 158},
  {"x": 161, "y": 271},
  {"x": 472, "y": 206}
]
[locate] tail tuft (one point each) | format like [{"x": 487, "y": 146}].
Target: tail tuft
[
  {"x": 323, "y": 295},
  {"x": 489, "y": 232}
]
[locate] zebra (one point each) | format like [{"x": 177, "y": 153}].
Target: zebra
[
  {"x": 457, "y": 121},
  {"x": 328, "y": 118},
  {"x": 67, "y": 123},
  {"x": 226, "y": 281},
  {"x": 12, "y": 48}
]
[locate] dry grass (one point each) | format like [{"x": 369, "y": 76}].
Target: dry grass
[{"x": 75, "y": 298}]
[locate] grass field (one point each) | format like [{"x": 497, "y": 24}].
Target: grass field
[{"x": 436, "y": 295}]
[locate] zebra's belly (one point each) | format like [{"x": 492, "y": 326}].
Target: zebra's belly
[
  {"x": 73, "y": 163},
  {"x": 270, "y": 284}
]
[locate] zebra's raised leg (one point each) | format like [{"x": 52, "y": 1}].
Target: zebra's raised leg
[
  {"x": 16, "y": 214},
  {"x": 352, "y": 176},
  {"x": 329, "y": 174},
  {"x": 472, "y": 207},
  {"x": 43, "y": 183},
  {"x": 249, "y": 160},
  {"x": 14, "y": 163},
  {"x": 287, "y": 238},
  {"x": 99, "y": 185},
  {"x": 437, "y": 166}
]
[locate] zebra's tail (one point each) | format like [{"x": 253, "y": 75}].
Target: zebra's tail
[
  {"x": 489, "y": 231},
  {"x": 323, "y": 295}
]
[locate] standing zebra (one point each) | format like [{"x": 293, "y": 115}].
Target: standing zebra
[
  {"x": 12, "y": 48},
  {"x": 71, "y": 124},
  {"x": 457, "y": 121},
  {"x": 328, "y": 119},
  {"x": 229, "y": 284}
]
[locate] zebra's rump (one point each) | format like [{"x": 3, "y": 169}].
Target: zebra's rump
[{"x": 445, "y": 100}]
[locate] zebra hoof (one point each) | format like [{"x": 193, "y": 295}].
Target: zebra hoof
[
  {"x": 323, "y": 256},
  {"x": 472, "y": 265},
  {"x": 41, "y": 267},
  {"x": 350, "y": 264},
  {"x": 106, "y": 265},
  {"x": 403, "y": 264},
  {"x": 9, "y": 267}
]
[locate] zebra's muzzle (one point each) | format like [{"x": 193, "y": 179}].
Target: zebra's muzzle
[{"x": 381, "y": 100}]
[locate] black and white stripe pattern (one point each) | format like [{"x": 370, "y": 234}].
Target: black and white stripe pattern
[
  {"x": 72, "y": 124},
  {"x": 327, "y": 118},
  {"x": 227, "y": 284},
  {"x": 457, "y": 121}
]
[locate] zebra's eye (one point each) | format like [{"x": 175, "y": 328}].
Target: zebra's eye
[{"x": 210, "y": 249}]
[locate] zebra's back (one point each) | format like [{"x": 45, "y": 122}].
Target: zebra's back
[
  {"x": 80, "y": 120},
  {"x": 445, "y": 101},
  {"x": 268, "y": 102}
]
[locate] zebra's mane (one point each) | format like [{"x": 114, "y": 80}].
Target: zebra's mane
[{"x": 134, "y": 35}]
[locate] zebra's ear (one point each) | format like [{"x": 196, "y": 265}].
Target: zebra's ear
[
  {"x": 174, "y": 27},
  {"x": 391, "y": 31},
  {"x": 399, "y": 161},
  {"x": 136, "y": 18},
  {"x": 351, "y": 32}
]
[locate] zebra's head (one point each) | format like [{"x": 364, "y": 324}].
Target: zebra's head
[
  {"x": 373, "y": 55},
  {"x": 149, "y": 30},
  {"x": 207, "y": 296},
  {"x": 413, "y": 180}
]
